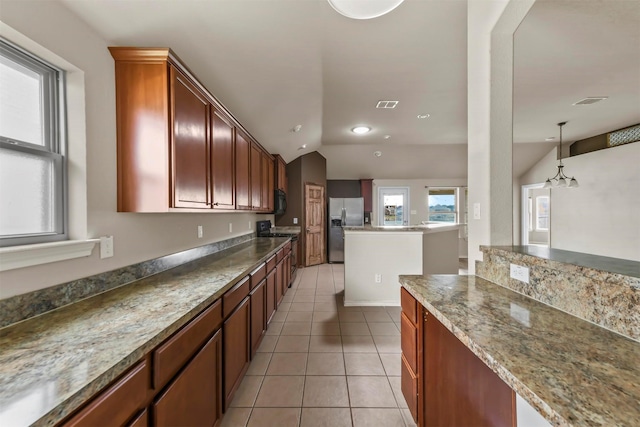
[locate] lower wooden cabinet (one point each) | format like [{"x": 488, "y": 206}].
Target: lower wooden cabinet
[
  {"x": 451, "y": 386},
  {"x": 194, "y": 397},
  {"x": 279, "y": 281},
  {"x": 236, "y": 332},
  {"x": 258, "y": 315},
  {"x": 271, "y": 295}
]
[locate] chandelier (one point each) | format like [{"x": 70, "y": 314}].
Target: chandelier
[
  {"x": 364, "y": 9},
  {"x": 560, "y": 179}
]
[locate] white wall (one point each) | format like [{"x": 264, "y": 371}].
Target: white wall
[
  {"x": 602, "y": 216},
  {"x": 137, "y": 237}
]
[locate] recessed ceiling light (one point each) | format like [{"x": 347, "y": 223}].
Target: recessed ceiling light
[
  {"x": 423, "y": 116},
  {"x": 551, "y": 138},
  {"x": 377, "y": 153},
  {"x": 361, "y": 129},
  {"x": 387, "y": 136},
  {"x": 387, "y": 104},
  {"x": 296, "y": 128},
  {"x": 590, "y": 100},
  {"x": 302, "y": 147}
]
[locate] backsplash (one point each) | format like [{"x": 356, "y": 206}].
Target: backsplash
[
  {"x": 608, "y": 296},
  {"x": 25, "y": 306}
]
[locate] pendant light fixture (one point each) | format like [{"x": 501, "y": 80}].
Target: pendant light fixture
[
  {"x": 364, "y": 9},
  {"x": 560, "y": 179}
]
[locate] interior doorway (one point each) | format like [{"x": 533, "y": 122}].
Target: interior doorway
[
  {"x": 536, "y": 215},
  {"x": 314, "y": 232},
  {"x": 393, "y": 206}
]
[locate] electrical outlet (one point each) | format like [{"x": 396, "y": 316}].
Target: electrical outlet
[
  {"x": 295, "y": 220},
  {"x": 106, "y": 247},
  {"x": 378, "y": 278},
  {"x": 519, "y": 272},
  {"x": 200, "y": 232},
  {"x": 414, "y": 212},
  {"x": 476, "y": 211},
  {"x": 230, "y": 227}
]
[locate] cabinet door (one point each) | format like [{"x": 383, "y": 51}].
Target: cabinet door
[
  {"x": 243, "y": 172},
  {"x": 190, "y": 170},
  {"x": 258, "y": 319},
  {"x": 193, "y": 398},
  {"x": 236, "y": 332},
  {"x": 366, "y": 190},
  {"x": 279, "y": 281},
  {"x": 222, "y": 162},
  {"x": 256, "y": 177},
  {"x": 281, "y": 174},
  {"x": 264, "y": 181},
  {"x": 271, "y": 294},
  {"x": 270, "y": 186}
]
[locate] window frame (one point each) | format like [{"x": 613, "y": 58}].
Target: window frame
[
  {"x": 548, "y": 216},
  {"x": 54, "y": 141},
  {"x": 455, "y": 212}
]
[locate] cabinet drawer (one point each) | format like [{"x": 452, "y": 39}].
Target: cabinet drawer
[
  {"x": 409, "y": 342},
  {"x": 287, "y": 248},
  {"x": 169, "y": 358},
  {"x": 409, "y": 387},
  {"x": 280, "y": 255},
  {"x": 117, "y": 403},
  {"x": 409, "y": 305},
  {"x": 234, "y": 296},
  {"x": 258, "y": 275},
  {"x": 271, "y": 263}
]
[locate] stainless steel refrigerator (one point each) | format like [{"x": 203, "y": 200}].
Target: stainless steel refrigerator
[{"x": 343, "y": 213}]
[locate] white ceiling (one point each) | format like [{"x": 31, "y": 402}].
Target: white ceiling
[{"x": 279, "y": 63}]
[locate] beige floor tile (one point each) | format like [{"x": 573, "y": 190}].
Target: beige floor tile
[
  {"x": 299, "y": 316},
  {"x": 349, "y": 309},
  {"x": 394, "y": 312},
  {"x": 284, "y": 306},
  {"x": 391, "y": 363},
  {"x": 274, "y": 417},
  {"x": 296, "y": 328},
  {"x": 245, "y": 395},
  {"x": 288, "y": 364},
  {"x": 377, "y": 316},
  {"x": 325, "y": 364},
  {"x": 279, "y": 316},
  {"x": 326, "y": 417},
  {"x": 325, "y": 344},
  {"x": 307, "y": 291},
  {"x": 354, "y": 329},
  {"x": 408, "y": 418},
  {"x": 325, "y": 391},
  {"x": 368, "y": 392},
  {"x": 363, "y": 364},
  {"x": 387, "y": 344},
  {"x": 281, "y": 392},
  {"x": 325, "y": 306},
  {"x": 303, "y": 298},
  {"x": 301, "y": 306},
  {"x": 238, "y": 417},
  {"x": 358, "y": 344},
  {"x": 351, "y": 316},
  {"x": 377, "y": 417},
  {"x": 289, "y": 296},
  {"x": 259, "y": 364},
  {"x": 325, "y": 316},
  {"x": 325, "y": 328},
  {"x": 388, "y": 328},
  {"x": 292, "y": 344},
  {"x": 325, "y": 290},
  {"x": 274, "y": 328},
  {"x": 397, "y": 392},
  {"x": 373, "y": 309},
  {"x": 268, "y": 344},
  {"x": 325, "y": 298}
]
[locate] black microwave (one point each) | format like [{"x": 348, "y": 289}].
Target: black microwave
[{"x": 280, "y": 205}]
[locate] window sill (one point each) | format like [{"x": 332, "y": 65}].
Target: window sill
[{"x": 43, "y": 253}]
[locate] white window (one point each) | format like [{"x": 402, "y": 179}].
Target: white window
[
  {"x": 32, "y": 148},
  {"x": 443, "y": 205},
  {"x": 542, "y": 213}
]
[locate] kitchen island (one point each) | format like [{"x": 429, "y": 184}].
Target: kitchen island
[{"x": 374, "y": 257}]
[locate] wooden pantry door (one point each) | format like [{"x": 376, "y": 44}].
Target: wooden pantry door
[{"x": 315, "y": 224}]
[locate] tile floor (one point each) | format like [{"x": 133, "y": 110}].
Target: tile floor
[{"x": 323, "y": 364}]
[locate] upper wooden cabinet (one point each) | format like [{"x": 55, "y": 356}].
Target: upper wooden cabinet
[
  {"x": 280, "y": 174},
  {"x": 179, "y": 149}
]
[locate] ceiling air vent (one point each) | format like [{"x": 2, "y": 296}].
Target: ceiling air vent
[
  {"x": 387, "y": 104},
  {"x": 590, "y": 100}
]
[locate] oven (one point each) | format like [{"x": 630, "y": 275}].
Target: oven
[{"x": 263, "y": 229}]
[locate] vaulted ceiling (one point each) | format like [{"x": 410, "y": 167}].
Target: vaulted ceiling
[{"x": 280, "y": 63}]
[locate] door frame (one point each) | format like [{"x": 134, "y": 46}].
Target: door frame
[
  {"x": 406, "y": 209},
  {"x": 323, "y": 250}
]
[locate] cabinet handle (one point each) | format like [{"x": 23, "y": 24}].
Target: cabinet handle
[
  {"x": 216, "y": 203},
  {"x": 424, "y": 315}
]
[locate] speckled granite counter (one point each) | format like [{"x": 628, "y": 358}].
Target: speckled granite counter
[
  {"x": 50, "y": 364},
  {"x": 572, "y": 371},
  {"x": 290, "y": 229},
  {"x": 428, "y": 228}
]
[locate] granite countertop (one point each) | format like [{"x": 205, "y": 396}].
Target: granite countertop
[
  {"x": 572, "y": 371},
  {"x": 293, "y": 229},
  {"x": 428, "y": 228},
  {"x": 619, "y": 269},
  {"x": 51, "y": 364}
]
